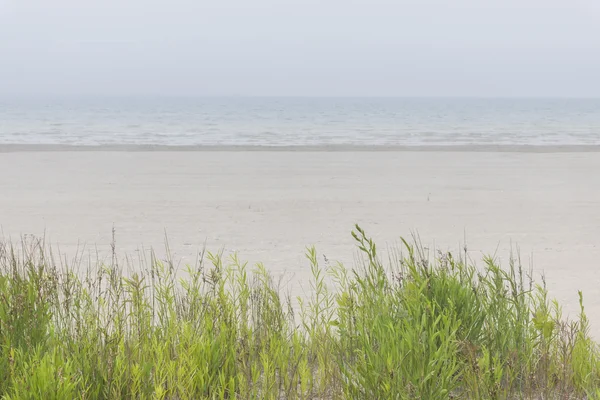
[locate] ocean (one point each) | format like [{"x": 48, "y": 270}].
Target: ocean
[{"x": 299, "y": 121}]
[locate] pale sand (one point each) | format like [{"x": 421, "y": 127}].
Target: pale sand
[{"x": 269, "y": 205}]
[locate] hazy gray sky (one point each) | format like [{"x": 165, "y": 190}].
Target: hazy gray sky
[{"x": 301, "y": 47}]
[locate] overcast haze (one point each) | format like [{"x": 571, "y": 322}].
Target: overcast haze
[{"x": 300, "y": 47}]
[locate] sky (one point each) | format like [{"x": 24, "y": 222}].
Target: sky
[{"x": 481, "y": 48}]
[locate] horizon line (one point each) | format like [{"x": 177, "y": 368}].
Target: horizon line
[{"x": 315, "y": 96}]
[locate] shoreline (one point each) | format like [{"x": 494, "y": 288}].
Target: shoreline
[{"x": 544, "y": 149}]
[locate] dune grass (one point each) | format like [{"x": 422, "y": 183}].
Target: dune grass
[{"x": 410, "y": 329}]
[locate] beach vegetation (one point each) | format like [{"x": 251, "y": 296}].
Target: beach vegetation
[{"x": 417, "y": 326}]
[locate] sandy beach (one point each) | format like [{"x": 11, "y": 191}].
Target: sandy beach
[{"x": 269, "y": 205}]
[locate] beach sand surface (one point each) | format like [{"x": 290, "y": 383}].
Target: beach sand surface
[{"x": 269, "y": 205}]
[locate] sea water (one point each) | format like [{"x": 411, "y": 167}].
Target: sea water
[{"x": 299, "y": 121}]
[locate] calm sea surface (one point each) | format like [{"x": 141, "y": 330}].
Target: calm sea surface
[{"x": 299, "y": 121}]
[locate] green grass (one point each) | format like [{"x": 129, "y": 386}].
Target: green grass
[{"x": 410, "y": 329}]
